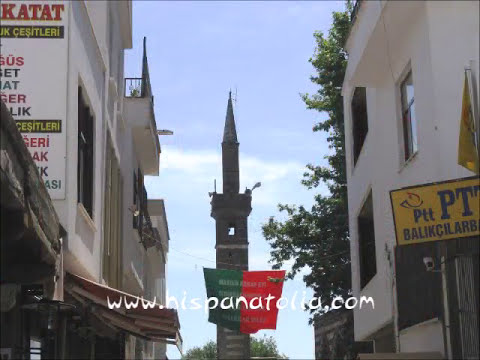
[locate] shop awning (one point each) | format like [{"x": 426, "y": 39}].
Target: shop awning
[
  {"x": 404, "y": 355},
  {"x": 132, "y": 314},
  {"x": 33, "y": 230}
]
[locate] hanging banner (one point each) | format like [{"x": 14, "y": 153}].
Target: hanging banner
[
  {"x": 33, "y": 81},
  {"x": 247, "y": 300},
  {"x": 438, "y": 211}
]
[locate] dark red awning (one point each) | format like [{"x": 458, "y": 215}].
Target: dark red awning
[{"x": 146, "y": 319}]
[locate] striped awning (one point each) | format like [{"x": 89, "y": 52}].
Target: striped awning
[{"x": 128, "y": 312}]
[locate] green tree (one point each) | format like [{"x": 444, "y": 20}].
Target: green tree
[
  {"x": 318, "y": 237},
  {"x": 265, "y": 347},
  {"x": 206, "y": 352},
  {"x": 259, "y": 347}
]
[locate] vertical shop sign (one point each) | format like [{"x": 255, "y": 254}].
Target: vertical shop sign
[{"x": 33, "y": 81}]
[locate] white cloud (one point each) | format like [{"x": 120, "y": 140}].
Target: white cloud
[
  {"x": 201, "y": 166},
  {"x": 202, "y": 161},
  {"x": 253, "y": 168},
  {"x": 185, "y": 178},
  {"x": 189, "y": 162}
]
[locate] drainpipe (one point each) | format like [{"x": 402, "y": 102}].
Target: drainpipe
[{"x": 395, "y": 303}]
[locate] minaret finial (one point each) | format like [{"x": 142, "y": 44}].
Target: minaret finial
[{"x": 230, "y": 131}]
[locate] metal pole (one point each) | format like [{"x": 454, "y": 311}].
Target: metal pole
[{"x": 446, "y": 312}]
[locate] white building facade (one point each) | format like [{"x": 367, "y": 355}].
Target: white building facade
[
  {"x": 111, "y": 246},
  {"x": 99, "y": 33},
  {"x": 402, "y": 99}
]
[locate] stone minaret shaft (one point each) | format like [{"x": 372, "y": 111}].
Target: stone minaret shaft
[{"x": 230, "y": 211}]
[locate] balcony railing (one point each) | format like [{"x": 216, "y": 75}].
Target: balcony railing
[
  {"x": 140, "y": 87},
  {"x": 133, "y": 87},
  {"x": 148, "y": 237}
]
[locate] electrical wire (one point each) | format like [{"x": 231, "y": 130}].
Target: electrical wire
[
  {"x": 205, "y": 259},
  {"x": 213, "y": 261},
  {"x": 413, "y": 279}
]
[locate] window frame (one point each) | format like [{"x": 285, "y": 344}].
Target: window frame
[
  {"x": 85, "y": 153},
  {"x": 359, "y": 133},
  {"x": 367, "y": 257},
  {"x": 407, "y": 108},
  {"x": 139, "y": 200},
  {"x": 113, "y": 219},
  {"x": 135, "y": 201}
]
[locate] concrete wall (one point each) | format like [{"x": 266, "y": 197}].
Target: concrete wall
[
  {"x": 86, "y": 68},
  {"x": 436, "y": 40},
  {"x": 95, "y": 62}
]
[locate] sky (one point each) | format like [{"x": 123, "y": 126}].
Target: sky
[{"x": 197, "y": 52}]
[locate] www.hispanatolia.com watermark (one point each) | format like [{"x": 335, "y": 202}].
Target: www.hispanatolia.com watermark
[{"x": 253, "y": 303}]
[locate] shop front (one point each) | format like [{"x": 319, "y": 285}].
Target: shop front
[{"x": 32, "y": 310}]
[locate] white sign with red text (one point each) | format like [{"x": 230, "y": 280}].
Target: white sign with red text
[{"x": 33, "y": 81}]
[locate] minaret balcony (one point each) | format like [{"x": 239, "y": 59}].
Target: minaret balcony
[{"x": 231, "y": 204}]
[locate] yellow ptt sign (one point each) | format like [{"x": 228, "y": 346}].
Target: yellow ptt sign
[{"x": 438, "y": 211}]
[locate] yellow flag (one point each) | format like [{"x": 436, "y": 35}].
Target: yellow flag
[{"x": 467, "y": 152}]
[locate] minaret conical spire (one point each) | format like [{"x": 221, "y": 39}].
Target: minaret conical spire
[
  {"x": 230, "y": 131},
  {"x": 231, "y": 181}
]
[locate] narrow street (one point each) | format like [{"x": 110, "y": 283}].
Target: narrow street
[{"x": 239, "y": 179}]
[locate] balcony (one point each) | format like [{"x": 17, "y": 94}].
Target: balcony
[
  {"x": 160, "y": 224},
  {"x": 149, "y": 236},
  {"x": 376, "y": 37},
  {"x": 140, "y": 118}
]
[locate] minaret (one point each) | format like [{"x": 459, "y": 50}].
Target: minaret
[
  {"x": 230, "y": 211},
  {"x": 230, "y": 145}
]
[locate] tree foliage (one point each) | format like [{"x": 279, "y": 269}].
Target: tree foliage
[
  {"x": 206, "y": 352},
  {"x": 259, "y": 347},
  {"x": 265, "y": 347},
  {"x": 318, "y": 237}
]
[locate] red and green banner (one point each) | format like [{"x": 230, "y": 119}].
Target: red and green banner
[{"x": 246, "y": 300}]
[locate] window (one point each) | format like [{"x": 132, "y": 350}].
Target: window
[
  {"x": 85, "y": 155},
  {"x": 135, "y": 202},
  {"x": 359, "y": 120},
  {"x": 366, "y": 242},
  {"x": 409, "y": 119},
  {"x": 113, "y": 225},
  {"x": 139, "y": 200},
  {"x": 231, "y": 230}
]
